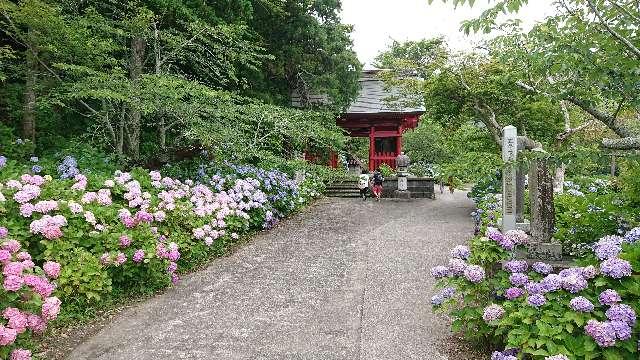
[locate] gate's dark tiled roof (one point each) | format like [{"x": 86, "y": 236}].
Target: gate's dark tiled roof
[{"x": 372, "y": 98}]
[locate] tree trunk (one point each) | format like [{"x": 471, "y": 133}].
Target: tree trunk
[
  {"x": 541, "y": 199},
  {"x": 29, "y": 114},
  {"x": 138, "y": 46}
]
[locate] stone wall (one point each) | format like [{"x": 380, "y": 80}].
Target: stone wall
[{"x": 420, "y": 187}]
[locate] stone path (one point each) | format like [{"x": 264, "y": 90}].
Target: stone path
[{"x": 345, "y": 279}]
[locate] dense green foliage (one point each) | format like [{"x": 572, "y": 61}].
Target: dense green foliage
[{"x": 147, "y": 80}]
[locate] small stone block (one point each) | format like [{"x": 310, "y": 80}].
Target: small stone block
[{"x": 545, "y": 251}]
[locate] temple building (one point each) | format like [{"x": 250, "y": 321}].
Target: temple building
[{"x": 370, "y": 115}]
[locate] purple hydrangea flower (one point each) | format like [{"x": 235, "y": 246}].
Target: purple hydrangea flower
[
  {"x": 542, "y": 268},
  {"x": 437, "y": 300},
  {"x": 609, "y": 297},
  {"x": 606, "y": 249},
  {"x": 615, "y": 239},
  {"x": 621, "y": 329},
  {"x": 440, "y": 272},
  {"x": 517, "y": 237},
  {"x": 602, "y": 332},
  {"x": 493, "y": 312},
  {"x": 570, "y": 271},
  {"x": 535, "y": 288},
  {"x": 448, "y": 292},
  {"x": 461, "y": 252},
  {"x": 497, "y": 355},
  {"x": 574, "y": 283},
  {"x": 632, "y": 235},
  {"x": 474, "y": 273},
  {"x": 494, "y": 234},
  {"x": 552, "y": 282},
  {"x": 616, "y": 268},
  {"x": 622, "y": 312},
  {"x": 589, "y": 272},
  {"x": 515, "y": 266},
  {"x": 581, "y": 304},
  {"x": 518, "y": 279},
  {"x": 457, "y": 266},
  {"x": 536, "y": 300},
  {"x": 513, "y": 293}
]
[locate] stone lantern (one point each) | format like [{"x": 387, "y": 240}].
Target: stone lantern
[{"x": 402, "y": 165}]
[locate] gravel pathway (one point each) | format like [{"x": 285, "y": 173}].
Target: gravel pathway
[{"x": 345, "y": 279}]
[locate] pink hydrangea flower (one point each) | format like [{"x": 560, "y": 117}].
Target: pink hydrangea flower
[
  {"x": 20, "y": 354},
  {"x": 11, "y": 245},
  {"x": 51, "y": 308},
  {"x": 36, "y": 324},
  {"x": 125, "y": 241},
  {"x": 18, "y": 322},
  {"x": 23, "y": 255},
  {"x": 51, "y": 269},
  {"x": 12, "y": 283},
  {"x": 90, "y": 217},
  {"x": 159, "y": 216},
  {"x": 46, "y": 206},
  {"x": 121, "y": 258},
  {"x": 75, "y": 208},
  {"x": 155, "y": 175},
  {"x": 105, "y": 259},
  {"x": 27, "y": 209},
  {"x": 5, "y": 256},
  {"x": 10, "y": 312},
  {"x": 13, "y": 268},
  {"x": 3, "y": 232},
  {"x": 138, "y": 256},
  {"x": 7, "y": 335},
  {"x": 129, "y": 222}
]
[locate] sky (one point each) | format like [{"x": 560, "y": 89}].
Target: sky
[{"x": 378, "y": 22}]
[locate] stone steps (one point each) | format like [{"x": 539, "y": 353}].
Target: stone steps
[{"x": 344, "y": 189}]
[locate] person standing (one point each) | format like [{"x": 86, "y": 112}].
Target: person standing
[
  {"x": 363, "y": 183},
  {"x": 378, "y": 180}
]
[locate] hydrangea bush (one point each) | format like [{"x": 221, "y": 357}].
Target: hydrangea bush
[
  {"x": 536, "y": 311},
  {"x": 100, "y": 236},
  {"x": 588, "y": 212}
]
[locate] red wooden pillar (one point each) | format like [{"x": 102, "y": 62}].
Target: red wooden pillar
[
  {"x": 399, "y": 141},
  {"x": 372, "y": 148}
]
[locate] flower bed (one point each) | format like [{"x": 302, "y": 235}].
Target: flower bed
[
  {"x": 88, "y": 238},
  {"x": 535, "y": 311}
]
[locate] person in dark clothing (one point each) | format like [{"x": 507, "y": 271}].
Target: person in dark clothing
[{"x": 378, "y": 180}]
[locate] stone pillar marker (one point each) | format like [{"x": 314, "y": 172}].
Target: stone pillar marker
[
  {"x": 402, "y": 164},
  {"x": 509, "y": 156}
]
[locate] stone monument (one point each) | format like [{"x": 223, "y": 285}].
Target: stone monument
[
  {"x": 509, "y": 156},
  {"x": 402, "y": 165}
]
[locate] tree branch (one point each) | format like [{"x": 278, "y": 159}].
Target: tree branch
[
  {"x": 629, "y": 143},
  {"x": 608, "y": 120},
  {"x": 611, "y": 31},
  {"x": 626, "y": 11}
]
